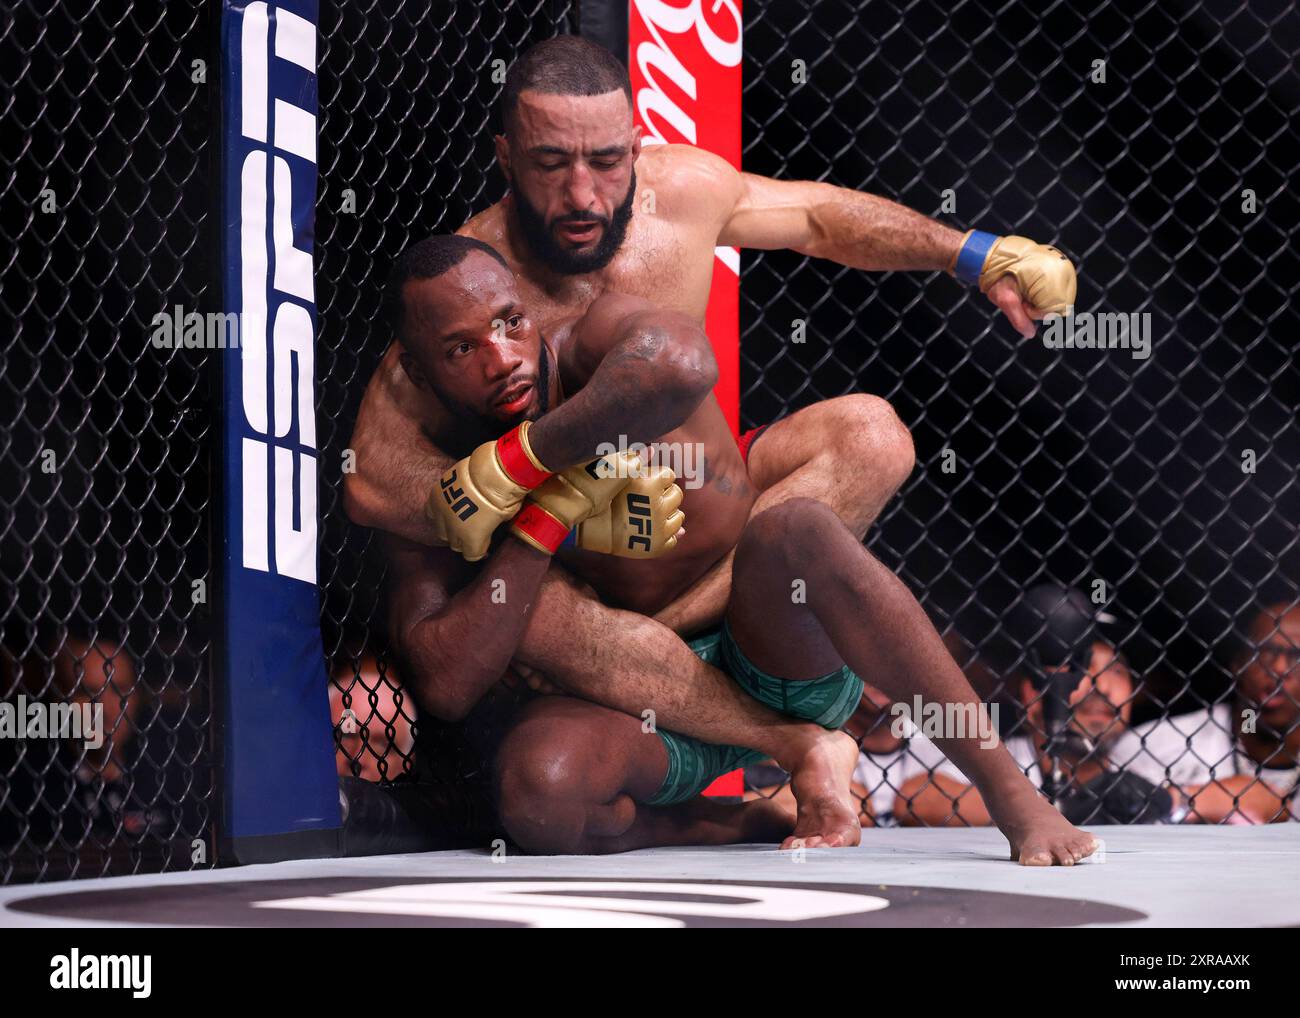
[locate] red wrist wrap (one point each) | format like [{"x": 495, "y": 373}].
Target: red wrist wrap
[
  {"x": 516, "y": 463},
  {"x": 541, "y": 526}
]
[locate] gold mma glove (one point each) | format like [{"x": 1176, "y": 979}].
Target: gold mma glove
[
  {"x": 484, "y": 490},
  {"x": 1044, "y": 277},
  {"x": 640, "y": 519}
]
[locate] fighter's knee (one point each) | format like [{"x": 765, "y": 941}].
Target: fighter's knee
[
  {"x": 878, "y": 439},
  {"x": 539, "y": 762},
  {"x": 792, "y": 532},
  {"x": 540, "y": 787}
]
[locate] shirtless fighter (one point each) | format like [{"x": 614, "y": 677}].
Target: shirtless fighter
[
  {"x": 571, "y": 230},
  {"x": 512, "y": 405}
]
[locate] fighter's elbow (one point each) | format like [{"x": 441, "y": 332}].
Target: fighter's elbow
[
  {"x": 687, "y": 374},
  {"x": 360, "y": 501},
  {"x": 445, "y": 679},
  {"x": 444, "y": 704},
  {"x": 442, "y": 693}
]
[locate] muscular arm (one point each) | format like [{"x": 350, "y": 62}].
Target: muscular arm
[
  {"x": 643, "y": 372},
  {"x": 863, "y": 231},
  {"x": 860, "y": 230},
  {"x": 457, "y": 645},
  {"x": 396, "y": 463}
]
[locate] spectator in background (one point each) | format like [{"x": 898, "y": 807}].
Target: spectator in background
[
  {"x": 1100, "y": 707},
  {"x": 886, "y": 761},
  {"x": 103, "y": 672},
  {"x": 1235, "y": 761},
  {"x": 372, "y": 721}
]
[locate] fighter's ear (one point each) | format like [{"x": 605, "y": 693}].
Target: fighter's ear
[
  {"x": 636, "y": 142},
  {"x": 413, "y": 370},
  {"x": 503, "y": 154}
]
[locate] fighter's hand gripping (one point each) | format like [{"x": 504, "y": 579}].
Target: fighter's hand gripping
[
  {"x": 484, "y": 490},
  {"x": 571, "y": 498},
  {"x": 641, "y": 522}
]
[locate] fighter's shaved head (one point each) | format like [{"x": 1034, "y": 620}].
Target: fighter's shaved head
[{"x": 565, "y": 65}]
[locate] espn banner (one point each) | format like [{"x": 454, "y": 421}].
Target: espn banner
[{"x": 279, "y": 778}]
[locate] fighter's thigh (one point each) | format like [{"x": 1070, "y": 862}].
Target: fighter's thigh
[
  {"x": 565, "y": 748},
  {"x": 781, "y": 553}
]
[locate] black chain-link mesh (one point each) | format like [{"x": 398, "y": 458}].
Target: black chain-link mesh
[
  {"x": 107, "y": 199},
  {"x": 1076, "y": 467},
  {"x": 408, "y": 94},
  {"x": 1172, "y": 480}
]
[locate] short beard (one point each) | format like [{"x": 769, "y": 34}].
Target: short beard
[{"x": 538, "y": 236}]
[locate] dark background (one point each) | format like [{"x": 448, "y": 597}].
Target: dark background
[
  {"x": 1076, "y": 465},
  {"x": 1072, "y": 466}
]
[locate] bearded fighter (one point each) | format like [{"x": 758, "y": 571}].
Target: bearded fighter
[
  {"x": 570, "y": 230},
  {"x": 574, "y": 776}
]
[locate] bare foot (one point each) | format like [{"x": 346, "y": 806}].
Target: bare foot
[
  {"x": 1040, "y": 836},
  {"x": 765, "y": 821},
  {"x": 820, "y": 775}
]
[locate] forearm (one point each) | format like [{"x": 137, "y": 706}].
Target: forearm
[
  {"x": 631, "y": 663},
  {"x": 460, "y": 652},
  {"x": 860, "y": 230},
  {"x": 646, "y": 386},
  {"x": 396, "y": 467},
  {"x": 868, "y": 232}
]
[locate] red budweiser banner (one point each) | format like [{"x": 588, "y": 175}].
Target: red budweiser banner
[{"x": 684, "y": 60}]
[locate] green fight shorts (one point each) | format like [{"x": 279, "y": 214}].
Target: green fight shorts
[{"x": 692, "y": 765}]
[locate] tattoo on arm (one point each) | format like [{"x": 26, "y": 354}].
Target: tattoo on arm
[{"x": 647, "y": 385}]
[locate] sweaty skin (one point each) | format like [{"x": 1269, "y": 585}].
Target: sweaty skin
[
  {"x": 717, "y": 509},
  {"x": 470, "y": 346},
  {"x": 573, "y": 157},
  {"x": 699, "y": 202}
]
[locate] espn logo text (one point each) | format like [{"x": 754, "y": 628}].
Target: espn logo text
[{"x": 277, "y": 294}]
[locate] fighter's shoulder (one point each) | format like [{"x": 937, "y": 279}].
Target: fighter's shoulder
[
  {"x": 392, "y": 397},
  {"x": 581, "y": 343},
  {"x": 691, "y": 175},
  {"x": 488, "y": 226}
]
